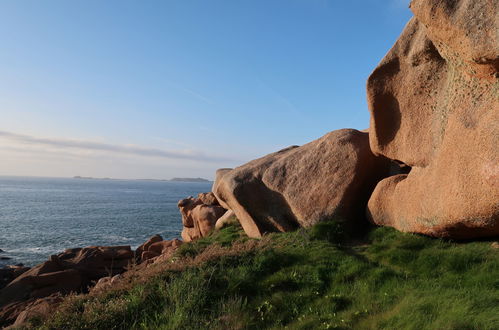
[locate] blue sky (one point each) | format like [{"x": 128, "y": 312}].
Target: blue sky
[{"x": 157, "y": 89}]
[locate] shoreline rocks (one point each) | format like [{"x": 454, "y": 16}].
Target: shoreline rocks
[
  {"x": 26, "y": 292},
  {"x": 70, "y": 271}
]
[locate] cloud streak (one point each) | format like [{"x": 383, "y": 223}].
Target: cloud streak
[{"x": 114, "y": 148}]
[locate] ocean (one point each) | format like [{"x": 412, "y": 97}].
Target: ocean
[{"x": 44, "y": 216}]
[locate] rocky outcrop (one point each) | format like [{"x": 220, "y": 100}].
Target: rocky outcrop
[
  {"x": 445, "y": 126},
  {"x": 199, "y": 215},
  {"x": 301, "y": 186},
  {"x": 71, "y": 271}
]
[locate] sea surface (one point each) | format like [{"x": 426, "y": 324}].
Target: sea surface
[{"x": 44, "y": 216}]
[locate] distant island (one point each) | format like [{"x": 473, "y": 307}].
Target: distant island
[
  {"x": 190, "y": 180},
  {"x": 90, "y": 178},
  {"x": 173, "y": 180}
]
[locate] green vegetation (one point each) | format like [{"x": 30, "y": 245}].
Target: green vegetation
[{"x": 309, "y": 279}]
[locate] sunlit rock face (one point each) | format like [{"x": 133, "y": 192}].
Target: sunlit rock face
[
  {"x": 199, "y": 215},
  {"x": 434, "y": 103},
  {"x": 329, "y": 178}
]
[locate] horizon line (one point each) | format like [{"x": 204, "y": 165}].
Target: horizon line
[{"x": 78, "y": 177}]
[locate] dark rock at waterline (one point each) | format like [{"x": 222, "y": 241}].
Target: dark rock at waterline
[
  {"x": 5, "y": 258},
  {"x": 71, "y": 271},
  {"x": 9, "y": 273},
  {"x": 1, "y": 251}
]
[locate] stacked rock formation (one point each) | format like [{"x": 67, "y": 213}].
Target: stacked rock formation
[
  {"x": 199, "y": 215},
  {"x": 445, "y": 125}
]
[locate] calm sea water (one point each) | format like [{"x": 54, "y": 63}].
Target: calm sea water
[{"x": 41, "y": 216}]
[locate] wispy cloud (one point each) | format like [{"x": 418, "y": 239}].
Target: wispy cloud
[
  {"x": 191, "y": 92},
  {"x": 279, "y": 97},
  {"x": 197, "y": 95},
  {"x": 133, "y": 150}
]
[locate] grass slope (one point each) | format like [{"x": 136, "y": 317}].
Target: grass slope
[{"x": 309, "y": 279}]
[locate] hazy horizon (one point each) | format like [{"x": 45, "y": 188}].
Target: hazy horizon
[
  {"x": 158, "y": 89},
  {"x": 76, "y": 177}
]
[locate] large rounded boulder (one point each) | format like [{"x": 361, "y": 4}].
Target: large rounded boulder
[{"x": 331, "y": 177}]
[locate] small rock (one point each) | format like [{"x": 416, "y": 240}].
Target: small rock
[
  {"x": 5, "y": 258},
  {"x": 144, "y": 247},
  {"x": 148, "y": 255}
]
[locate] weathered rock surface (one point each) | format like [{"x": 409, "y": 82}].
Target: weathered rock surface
[
  {"x": 445, "y": 125},
  {"x": 70, "y": 271},
  {"x": 145, "y": 246},
  {"x": 199, "y": 215},
  {"x": 227, "y": 218},
  {"x": 218, "y": 176},
  {"x": 301, "y": 186},
  {"x": 38, "y": 308},
  {"x": 208, "y": 199}
]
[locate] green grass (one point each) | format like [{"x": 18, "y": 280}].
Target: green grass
[{"x": 309, "y": 279}]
